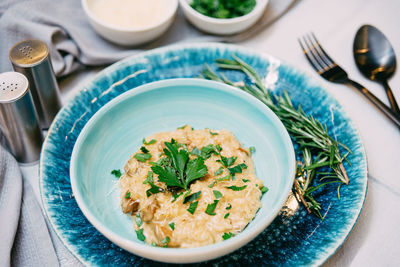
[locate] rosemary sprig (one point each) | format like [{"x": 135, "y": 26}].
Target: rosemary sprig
[{"x": 316, "y": 149}]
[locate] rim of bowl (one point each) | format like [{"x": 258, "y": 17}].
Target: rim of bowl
[
  {"x": 93, "y": 17},
  {"x": 260, "y": 5},
  {"x": 180, "y": 255}
]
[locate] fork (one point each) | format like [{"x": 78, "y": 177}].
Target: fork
[{"x": 329, "y": 70}]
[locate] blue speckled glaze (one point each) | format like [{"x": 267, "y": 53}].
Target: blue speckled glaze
[{"x": 297, "y": 240}]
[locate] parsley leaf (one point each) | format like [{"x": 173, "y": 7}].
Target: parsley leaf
[
  {"x": 180, "y": 171},
  {"x": 206, "y": 151},
  {"x": 219, "y": 171},
  {"x": 191, "y": 197},
  {"x": 211, "y": 207},
  {"x": 235, "y": 188},
  {"x": 149, "y": 178},
  {"x": 227, "y": 162},
  {"x": 228, "y": 235},
  {"x": 196, "y": 152},
  {"x": 165, "y": 241},
  {"x": 193, "y": 206},
  {"x": 153, "y": 190},
  {"x": 217, "y": 194},
  {"x": 142, "y": 157},
  {"x": 117, "y": 173},
  {"x": 229, "y": 206},
  {"x": 140, "y": 235},
  {"x": 172, "y": 225},
  {"x": 219, "y": 148},
  {"x": 252, "y": 149},
  {"x": 245, "y": 180},
  {"x": 138, "y": 220},
  {"x": 152, "y": 141},
  {"x": 212, "y": 133},
  {"x": 226, "y": 215},
  {"x": 144, "y": 150},
  {"x": 195, "y": 169},
  {"x": 237, "y": 169},
  {"x": 182, "y": 127},
  {"x": 225, "y": 178},
  {"x": 176, "y": 197},
  {"x": 264, "y": 189},
  {"x": 128, "y": 195}
]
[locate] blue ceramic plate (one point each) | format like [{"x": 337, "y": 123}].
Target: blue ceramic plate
[
  {"x": 116, "y": 131},
  {"x": 299, "y": 239}
]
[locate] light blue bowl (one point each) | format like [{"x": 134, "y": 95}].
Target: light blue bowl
[{"x": 117, "y": 130}]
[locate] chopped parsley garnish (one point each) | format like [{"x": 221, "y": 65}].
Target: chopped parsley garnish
[
  {"x": 128, "y": 195},
  {"x": 252, "y": 149},
  {"x": 154, "y": 244},
  {"x": 138, "y": 220},
  {"x": 206, "y": 151},
  {"x": 245, "y": 180},
  {"x": 191, "y": 197},
  {"x": 140, "y": 235},
  {"x": 211, "y": 207},
  {"x": 153, "y": 190},
  {"x": 176, "y": 196},
  {"x": 142, "y": 157},
  {"x": 223, "y": 9},
  {"x": 227, "y": 162},
  {"x": 193, "y": 206},
  {"x": 172, "y": 225},
  {"x": 225, "y": 178},
  {"x": 235, "y": 188},
  {"x": 227, "y": 235},
  {"x": 226, "y": 215},
  {"x": 144, "y": 150},
  {"x": 165, "y": 241},
  {"x": 152, "y": 141},
  {"x": 116, "y": 173},
  {"x": 149, "y": 178},
  {"x": 217, "y": 194},
  {"x": 264, "y": 189},
  {"x": 212, "y": 133},
  {"x": 182, "y": 127},
  {"x": 219, "y": 171},
  {"x": 229, "y": 206},
  {"x": 237, "y": 169},
  {"x": 180, "y": 171},
  {"x": 219, "y": 148},
  {"x": 196, "y": 152}
]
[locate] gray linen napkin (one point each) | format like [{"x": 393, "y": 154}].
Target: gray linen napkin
[
  {"x": 65, "y": 28},
  {"x": 25, "y": 240}
]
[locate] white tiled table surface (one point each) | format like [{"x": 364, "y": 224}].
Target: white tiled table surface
[{"x": 375, "y": 239}]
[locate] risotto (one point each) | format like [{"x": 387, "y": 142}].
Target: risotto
[{"x": 190, "y": 188}]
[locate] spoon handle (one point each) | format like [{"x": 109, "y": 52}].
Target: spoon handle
[
  {"x": 392, "y": 100},
  {"x": 379, "y": 104}
]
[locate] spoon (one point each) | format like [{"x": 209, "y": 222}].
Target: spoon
[{"x": 375, "y": 58}]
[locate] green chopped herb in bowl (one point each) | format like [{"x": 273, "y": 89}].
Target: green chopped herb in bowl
[{"x": 223, "y": 9}]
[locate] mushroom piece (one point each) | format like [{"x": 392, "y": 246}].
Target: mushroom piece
[{"x": 129, "y": 205}]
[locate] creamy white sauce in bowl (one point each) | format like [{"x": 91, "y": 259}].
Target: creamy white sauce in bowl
[
  {"x": 130, "y": 22},
  {"x": 131, "y": 14}
]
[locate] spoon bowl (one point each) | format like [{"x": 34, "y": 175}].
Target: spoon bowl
[{"x": 375, "y": 58}]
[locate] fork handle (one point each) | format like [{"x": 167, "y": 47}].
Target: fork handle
[{"x": 374, "y": 100}]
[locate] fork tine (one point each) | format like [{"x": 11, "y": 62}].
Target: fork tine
[
  {"x": 317, "y": 54},
  {"x": 310, "y": 57},
  {"x": 329, "y": 61}
]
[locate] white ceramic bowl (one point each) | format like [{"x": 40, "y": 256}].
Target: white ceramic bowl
[
  {"x": 223, "y": 26},
  {"x": 130, "y": 36}
]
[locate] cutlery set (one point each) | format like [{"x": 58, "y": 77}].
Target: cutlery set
[{"x": 374, "y": 57}]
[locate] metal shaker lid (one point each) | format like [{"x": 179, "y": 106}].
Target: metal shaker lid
[
  {"x": 28, "y": 53},
  {"x": 13, "y": 86}
]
